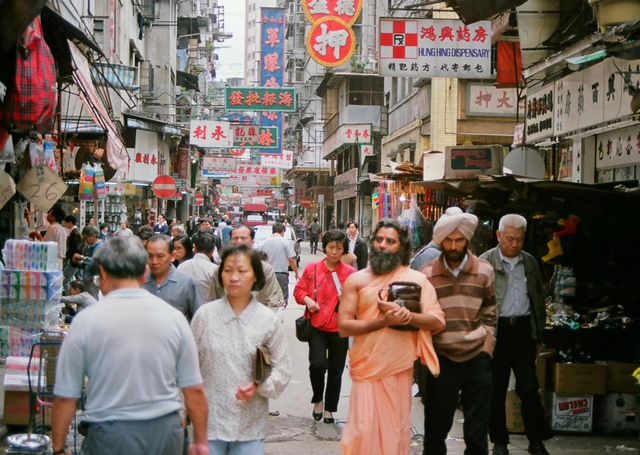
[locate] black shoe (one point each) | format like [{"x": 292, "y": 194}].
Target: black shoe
[
  {"x": 500, "y": 449},
  {"x": 329, "y": 420},
  {"x": 537, "y": 448},
  {"x": 317, "y": 416}
]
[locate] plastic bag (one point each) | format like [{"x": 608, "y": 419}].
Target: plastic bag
[
  {"x": 86, "y": 183},
  {"x": 49, "y": 154},
  {"x": 6, "y": 147},
  {"x": 98, "y": 181},
  {"x": 412, "y": 218}
]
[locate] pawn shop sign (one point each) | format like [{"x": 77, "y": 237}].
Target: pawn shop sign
[
  {"x": 347, "y": 10},
  {"x": 331, "y": 42},
  {"x": 164, "y": 186}
]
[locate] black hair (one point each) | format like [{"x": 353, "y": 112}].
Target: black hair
[
  {"x": 77, "y": 284},
  {"x": 403, "y": 236},
  {"x": 145, "y": 232},
  {"x": 58, "y": 213},
  {"x": 204, "y": 242},
  {"x": 162, "y": 238},
  {"x": 186, "y": 243},
  {"x": 103, "y": 225},
  {"x": 252, "y": 232},
  {"x": 254, "y": 258},
  {"x": 90, "y": 231},
  {"x": 335, "y": 235},
  {"x": 70, "y": 219},
  {"x": 278, "y": 228},
  {"x": 315, "y": 219},
  {"x": 341, "y": 225},
  {"x": 352, "y": 222}
]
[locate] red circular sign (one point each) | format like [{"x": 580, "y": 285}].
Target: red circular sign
[
  {"x": 199, "y": 198},
  {"x": 305, "y": 202},
  {"x": 164, "y": 186},
  {"x": 237, "y": 152},
  {"x": 331, "y": 41},
  {"x": 280, "y": 204},
  {"x": 346, "y": 10}
]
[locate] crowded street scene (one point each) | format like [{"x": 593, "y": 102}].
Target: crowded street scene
[{"x": 353, "y": 227}]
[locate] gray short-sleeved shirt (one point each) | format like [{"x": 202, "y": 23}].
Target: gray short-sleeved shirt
[
  {"x": 179, "y": 290},
  {"x": 279, "y": 251},
  {"x": 136, "y": 350}
]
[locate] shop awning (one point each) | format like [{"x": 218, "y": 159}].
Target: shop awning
[
  {"x": 81, "y": 126},
  {"x": 121, "y": 77},
  {"x": 143, "y": 123}
]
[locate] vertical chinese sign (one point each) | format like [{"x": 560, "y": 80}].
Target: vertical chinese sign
[{"x": 272, "y": 64}]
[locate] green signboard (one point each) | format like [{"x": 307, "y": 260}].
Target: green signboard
[
  {"x": 255, "y": 137},
  {"x": 276, "y": 99}
]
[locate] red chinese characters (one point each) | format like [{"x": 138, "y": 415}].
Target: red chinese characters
[{"x": 331, "y": 42}]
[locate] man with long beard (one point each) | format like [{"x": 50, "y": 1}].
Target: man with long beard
[
  {"x": 464, "y": 285},
  {"x": 381, "y": 357}
]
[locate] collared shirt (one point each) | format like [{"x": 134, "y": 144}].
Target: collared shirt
[
  {"x": 201, "y": 269},
  {"x": 57, "y": 233},
  {"x": 279, "y": 251},
  {"x": 455, "y": 272},
  {"x": 179, "y": 290},
  {"x": 516, "y": 299},
  {"x": 132, "y": 343},
  {"x": 352, "y": 244},
  {"x": 227, "y": 348}
]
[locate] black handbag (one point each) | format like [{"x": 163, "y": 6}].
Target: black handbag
[
  {"x": 407, "y": 295},
  {"x": 303, "y": 324}
]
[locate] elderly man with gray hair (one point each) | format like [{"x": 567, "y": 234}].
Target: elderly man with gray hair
[
  {"x": 521, "y": 319},
  {"x": 138, "y": 353}
]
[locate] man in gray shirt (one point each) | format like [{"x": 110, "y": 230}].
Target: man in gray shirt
[
  {"x": 281, "y": 256},
  {"x": 178, "y": 289},
  {"x": 137, "y": 353},
  {"x": 521, "y": 319}
]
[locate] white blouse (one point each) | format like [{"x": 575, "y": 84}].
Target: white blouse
[{"x": 227, "y": 348}]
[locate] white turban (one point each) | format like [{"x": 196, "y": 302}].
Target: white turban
[{"x": 466, "y": 223}]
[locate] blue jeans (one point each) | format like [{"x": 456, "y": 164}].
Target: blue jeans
[{"x": 255, "y": 447}]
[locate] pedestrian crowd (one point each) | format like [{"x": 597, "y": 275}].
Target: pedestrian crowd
[{"x": 182, "y": 325}]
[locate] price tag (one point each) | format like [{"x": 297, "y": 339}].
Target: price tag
[
  {"x": 42, "y": 186},
  {"x": 7, "y": 188}
]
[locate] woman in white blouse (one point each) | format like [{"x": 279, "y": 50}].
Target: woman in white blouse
[{"x": 227, "y": 332}]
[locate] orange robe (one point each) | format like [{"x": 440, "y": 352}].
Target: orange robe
[{"x": 379, "y": 421}]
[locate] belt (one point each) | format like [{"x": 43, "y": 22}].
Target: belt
[
  {"x": 281, "y": 273},
  {"x": 517, "y": 320}
]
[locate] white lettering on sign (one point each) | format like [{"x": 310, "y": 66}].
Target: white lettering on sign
[
  {"x": 335, "y": 39},
  {"x": 42, "y": 187}
]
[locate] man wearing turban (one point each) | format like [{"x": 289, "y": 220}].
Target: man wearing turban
[{"x": 464, "y": 285}]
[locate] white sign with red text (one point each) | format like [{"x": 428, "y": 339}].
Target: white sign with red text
[
  {"x": 218, "y": 163},
  {"x": 485, "y": 99},
  {"x": 355, "y": 134},
  {"x": 210, "y": 133},
  {"x": 284, "y": 161}
]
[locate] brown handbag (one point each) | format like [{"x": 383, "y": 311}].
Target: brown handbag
[
  {"x": 405, "y": 294},
  {"x": 261, "y": 364}
]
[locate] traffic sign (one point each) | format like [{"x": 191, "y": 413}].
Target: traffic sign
[
  {"x": 199, "y": 198},
  {"x": 164, "y": 186},
  {"x": 305, "y": 202},
  {"x": 280, "y": 204}
]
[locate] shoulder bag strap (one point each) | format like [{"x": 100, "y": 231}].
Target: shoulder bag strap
[{"x": 315, "y": 289}]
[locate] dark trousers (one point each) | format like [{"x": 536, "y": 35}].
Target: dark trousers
[
  {"x": 472, "y": 379},
  {"x": 313, "y": 244},
  {"x": 327, "y": 354},
  {"x": 283, "y": 281},
  {"x": 516, "y": 349}
]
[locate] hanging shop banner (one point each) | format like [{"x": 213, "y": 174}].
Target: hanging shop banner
[
  {"x": 252, "y": 136},
  {"x": 283, "y": 161},
  {"x": 218, "y": 163},
  {"x": 539, "y": 120},
  {"x": 355, "y": 134},
  {"x": 435, "y": 48},
  {"x": 42, "y": 187},
  {"x": 210, "y": 133},
  {"x": 246, "y": 180},
  {"x": 486, "y": 99},
  {"x": 346, "y": 10},
  {"x": 281, "y": 99},
  {"x": 241, "y": 154},
  {"x": 183, "y": 161},
  {"x": 331, "y": 42},
  {"x": 618, "y": 148},
  {"x": 595, "y": 95},
  {"x": 272, "y": 63},
  {"x": 7, "y": 188}
]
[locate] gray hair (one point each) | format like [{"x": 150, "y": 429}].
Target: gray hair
[
  {"x": 90, "y": 231},
  {"x": 179, "y": 229},
  {"x": 512, "y": 220},
  {"x": 122, "y": 257}
]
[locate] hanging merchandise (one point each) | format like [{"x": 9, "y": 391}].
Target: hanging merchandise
[
  {"x": 49, "y": 155},
  {"x": 98, "y": 181},
  {"x": 413, "y": 219},
  {"x": 36, "y": 154},
  {"x": 86, "y": 183},
  {"x": 31, "y": 103},
  {"x": 7, "y": 154}
]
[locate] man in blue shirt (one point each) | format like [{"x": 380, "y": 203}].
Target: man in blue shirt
[
  {"x": 137, "y": 353},
  {"x": 521, "y": 319},
  {"x": 161, "y": 227}
]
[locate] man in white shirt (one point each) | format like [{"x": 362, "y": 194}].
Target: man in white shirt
[
  {"x": 200, "y": 266},
  {"x": 56, "y": 232},
  {"x": 281, "y": 256}
]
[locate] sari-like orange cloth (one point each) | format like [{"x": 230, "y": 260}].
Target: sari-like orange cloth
[{"x": 382, "y": 373}]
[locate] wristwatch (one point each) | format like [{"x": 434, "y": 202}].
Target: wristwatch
[{"x": 61, "y": 451}]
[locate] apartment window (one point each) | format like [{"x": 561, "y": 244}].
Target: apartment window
[
  {"x": 98, "y": 32},
  {"x": 365, "y": 91}
]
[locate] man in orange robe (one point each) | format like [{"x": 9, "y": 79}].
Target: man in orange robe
[{"x": 381, "y": 357}]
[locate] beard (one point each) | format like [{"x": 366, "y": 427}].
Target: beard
[
  {"x": 383, "y": 262},
  {"x": 455, "y": 256}
]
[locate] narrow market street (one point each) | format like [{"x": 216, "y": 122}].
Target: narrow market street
[{"x": 293, "y": 430}]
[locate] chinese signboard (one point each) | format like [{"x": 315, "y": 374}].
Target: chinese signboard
[
  {"x": 251, "y": 136},
  {"x": 618, "y": 147},
  {"x": 365, "y": 151},
  {"x": 282, "y": 99},
  {"x": 346, "y": 10},
  {"x": 218, "y": 163},
  {"x": 435, "y": 48},
  {"x": 594, "y": 96},
  {"x": 183, "y": 161},
  {"x": 283, "y": 161},
  {"x": 486, "y": 99},
  {"x": 241, "y": 154},
  {"x": 331, "y": 42},
  {"x": 144, "y": 157},
  {"x": 539, "y": 121},
  {"x": 355, "y": 134},
  {"x": 272, "y": 63},
  {"x": 209, "y": 133}
]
